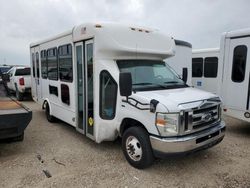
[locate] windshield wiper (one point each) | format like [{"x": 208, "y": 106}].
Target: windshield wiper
[
  {"x": 148, "y": 83},
  {"x": 172, "y": 82}
]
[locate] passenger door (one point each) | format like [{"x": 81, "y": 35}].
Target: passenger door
[
  {"x": 85, "y": 87},
  {"x": 237, "y": 76},
  {"x": 38, "y": 74},
  {"x": 81, "y": 114},
  {"x": 35, "y": 74}
]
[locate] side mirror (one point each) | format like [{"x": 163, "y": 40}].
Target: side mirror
[
  {"x": 125, "y": 84},
  {"x": 6, "y": 77},
  {"x": 184, "y": 74}
]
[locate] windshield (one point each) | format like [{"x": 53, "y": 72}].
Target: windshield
[
  {"x": 4, "y": 69},
  {"x": 150, "y": 75}
]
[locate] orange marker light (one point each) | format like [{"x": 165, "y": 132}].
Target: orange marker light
[{"x": 161, "y": 122}]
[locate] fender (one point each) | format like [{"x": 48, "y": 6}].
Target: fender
[{"x": 46, "y": 100}]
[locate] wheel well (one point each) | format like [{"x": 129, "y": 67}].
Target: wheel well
[
  {"x": 129, "y": 122},
  {"x": 44, "y": 104}
]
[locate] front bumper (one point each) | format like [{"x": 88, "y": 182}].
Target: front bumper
[{"x": 189, "y": 143}]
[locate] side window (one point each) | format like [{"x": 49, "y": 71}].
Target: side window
[
  {"x": 33, "y": 65},
  {"x": 197, "y": 67},
  {"x": 44, "y": 64},
  {"x": 239, "y": 63},
  {"x": 108, "y": 94},
  {"x": 52, "y": 64},
  {"x": 210, "y": 67},
  {"x": 65, "y": 63},
  {"x": 37, "y": 65},
  {"x": 65, "y": 94}
]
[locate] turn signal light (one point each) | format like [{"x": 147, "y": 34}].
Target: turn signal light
[{"x": 161, "y": 122}]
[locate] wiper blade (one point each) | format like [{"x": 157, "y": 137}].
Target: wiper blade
[
  {"x": 148, "y": 83},
  {"x": 143, "y": 83},
  {"x": 172, "y": 82}
]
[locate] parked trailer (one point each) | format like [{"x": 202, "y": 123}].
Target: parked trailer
[
  {"x": 232, "y": 82},
  {"x": 182, "y": 59},
  {"x": 206, "y": 70},
  {"x": 14, "y": 118},
  {"x": 110, "y": 80}
]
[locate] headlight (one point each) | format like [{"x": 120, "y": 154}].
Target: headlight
[{"x": 167, "y": 124}]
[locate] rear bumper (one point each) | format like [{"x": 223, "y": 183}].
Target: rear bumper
[
  {"x": 25, "y": 90},
  {"x": 13, "y": 124},
  {"x": 187, "y": 144}
]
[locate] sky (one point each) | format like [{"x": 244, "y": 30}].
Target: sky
[{"x": 200, "y": 22}]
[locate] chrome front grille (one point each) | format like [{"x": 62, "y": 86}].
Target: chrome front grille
[{"x": 200, "y": 118}]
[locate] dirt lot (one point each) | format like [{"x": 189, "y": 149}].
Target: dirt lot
[{"x": 75, "y": 161}]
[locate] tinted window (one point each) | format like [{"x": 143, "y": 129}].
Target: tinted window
[
  {"x": 33, "y": 64},
  {"x": 210, "y": 67},
  {"x": 65, "y": 94},
  {"x": 108, "y": 93},
  {"x": 239, "y": 63},
  {"x": 65, "y": 63},
  {"x": 197, "y": 67},
  {"x": 52, "y": 64},
  {"x": 37, "y": 65},
  {"x": 22, "y": 72},
  {"x": 44, "y": 64},
  {"x": 4, "y": 69}
]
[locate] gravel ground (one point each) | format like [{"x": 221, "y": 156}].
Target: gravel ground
[{"x": 73, "y": 160}]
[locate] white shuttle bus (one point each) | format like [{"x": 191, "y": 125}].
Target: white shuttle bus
[
  {"x": 109, "y": 80},
  {"x": 235, "y": 77},
  {"x": 182, "y": 59},
  {"x": 206, "y": 69},
  {"x": 228, "y": 70}
]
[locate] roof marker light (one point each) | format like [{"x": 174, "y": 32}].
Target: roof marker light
[{"x": 98, "y": 26}]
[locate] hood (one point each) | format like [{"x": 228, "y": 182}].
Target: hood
[{"x": 175, "y": 99}]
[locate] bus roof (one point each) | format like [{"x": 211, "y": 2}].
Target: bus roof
[
  {"x": 119, "y": 38},
  {"x": 206, "y": 50},
  {"x": 237, "y": 33}
]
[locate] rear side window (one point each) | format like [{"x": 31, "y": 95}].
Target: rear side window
[
  {"x": 210, "y": 67},
  {"x": 197, "y": 67},
  {"x": 52, "y": 64},
  {"x": 22, "y": 72},
  {"x": 239, "y": 63},
  {"x": 65, "y": 63},
  {"x": 108, "y": 94},
  {"x": 44, "y": 65}
]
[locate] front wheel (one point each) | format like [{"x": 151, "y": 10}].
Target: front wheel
[{"x": 137, "y": 148}]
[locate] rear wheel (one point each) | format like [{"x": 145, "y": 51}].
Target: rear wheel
[
  {"x": 137, "y": 148},
  {"x": 19, "y": 95},
  {"x": 49, "y": 117}
]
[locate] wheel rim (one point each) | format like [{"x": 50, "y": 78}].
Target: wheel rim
[{"x": 133, "y": 148}]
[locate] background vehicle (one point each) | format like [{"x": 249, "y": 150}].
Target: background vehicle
[
  {"x": 3, "y": 69},
  {"x": 206, "y": 70},
  {"x": 110, "y": 80},
  {"x": 230, "y": 76},
  {"x": 19, "y": 81},
  {"x": 182, "y": 59}
]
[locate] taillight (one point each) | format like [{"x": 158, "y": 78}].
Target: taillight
[{"x": 21, "y": 81}]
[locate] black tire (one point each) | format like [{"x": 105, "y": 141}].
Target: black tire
[
  {"x": 49, "y": 117},
  {"x": 142, "y": 137},
  {"x": 19, "y": 95},
  {"x": 18, "y": 138}
]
